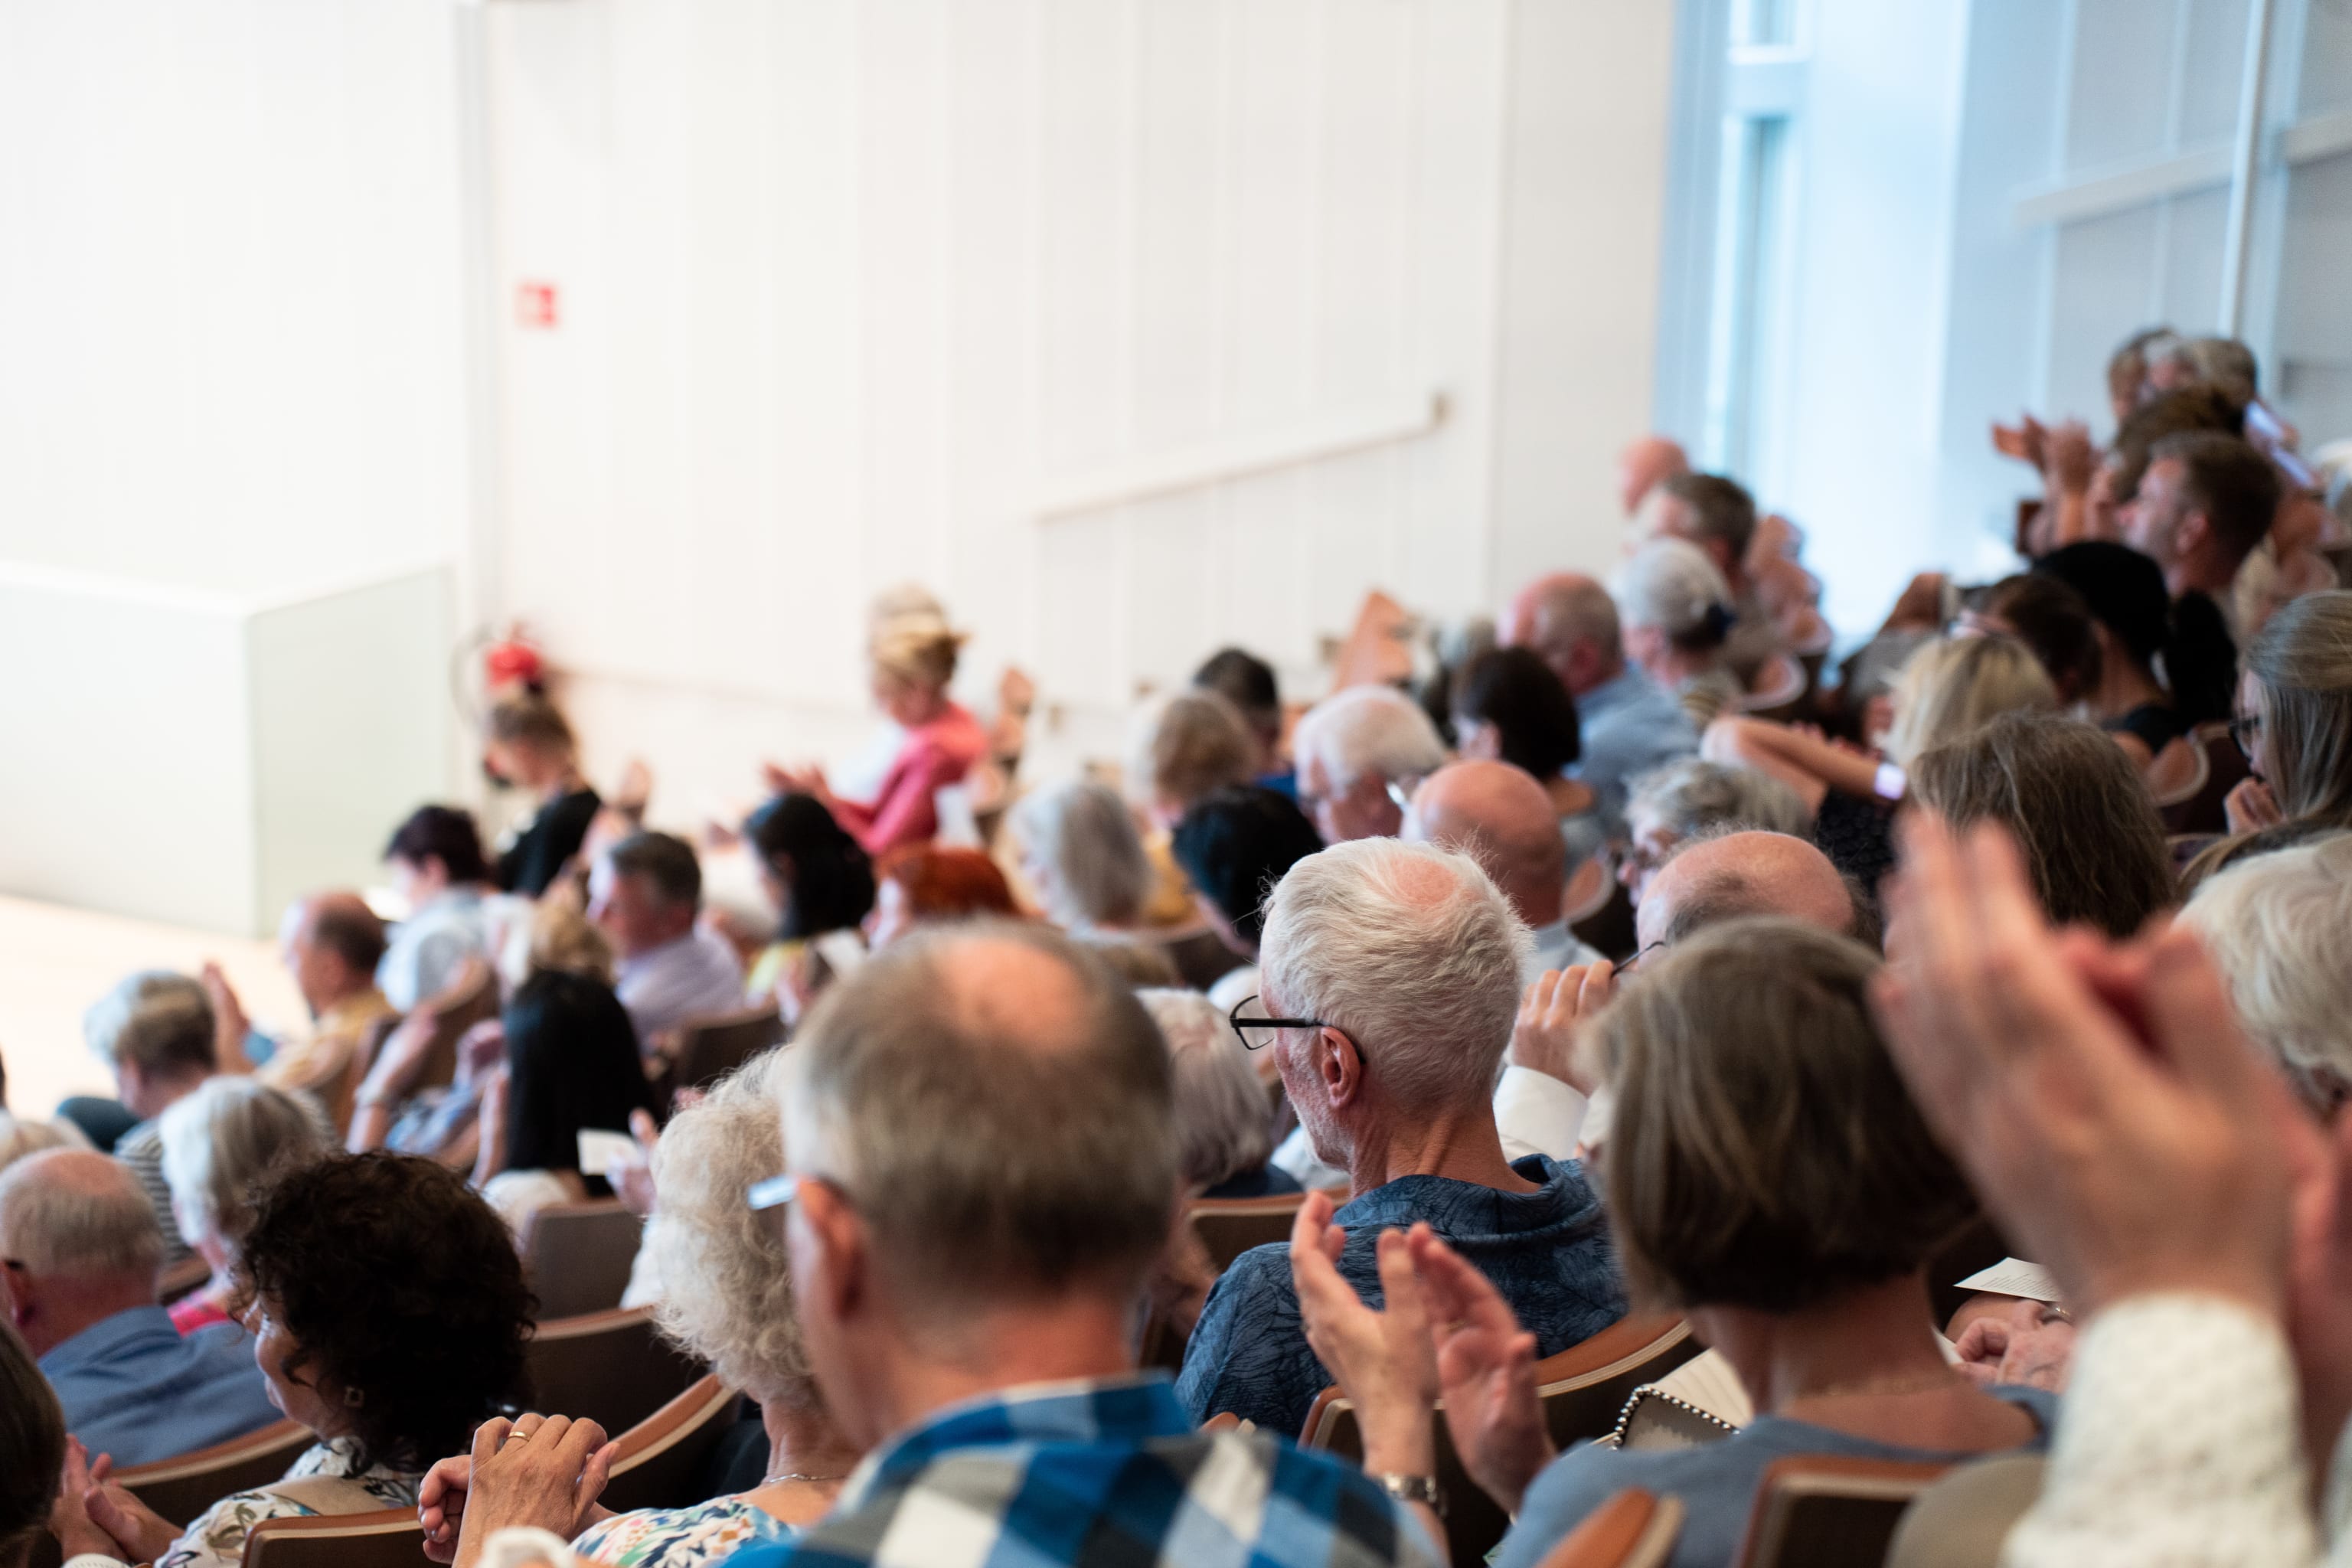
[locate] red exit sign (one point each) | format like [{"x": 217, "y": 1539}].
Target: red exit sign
[{"x": 535, "y": 305}]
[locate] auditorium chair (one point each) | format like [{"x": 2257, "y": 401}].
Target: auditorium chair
[
  {"x": 578, "y": 1256},
  {"x": 390, "y": 1539},
  {"x": 1230, "y": 1226},
  {"x": 711, "y": 1046},
  {"x": 610, "y": 1367},
  {"x": 659, "y": 1459},
  {"x": 183, "y": 1487},
  {"x": 1813, "y": 1510},
  {"x": 187, "y": 1275},
  {"x": 1631, "y": 1530},
  {"x": 1963, "y": 1520},
  {"x": 1582, "y": 1389}
]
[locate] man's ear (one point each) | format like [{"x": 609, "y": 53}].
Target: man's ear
[
  {"x": 17, "y": 1291},
  {"x": 1342, "y": 1068},
  {"x": 2192, "y": 533},
  {"x": 842, "y": 1250}
]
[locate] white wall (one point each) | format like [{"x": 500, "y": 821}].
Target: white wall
[
  {"x": 845, "y": 288},
  {"x": 230, "y": 308}
]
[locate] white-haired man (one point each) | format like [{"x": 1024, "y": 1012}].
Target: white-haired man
[
  {"x": 1629, "y": 724},
  {"x": 980, "y": 1147},
  {"x": 1392, "y": 979},
  {"x": 1350, "y": 748}
]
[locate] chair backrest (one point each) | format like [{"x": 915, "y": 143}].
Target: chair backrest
[
  {"x": 392, "y": 1539},
  {"x": 1962, "y": 1520},
  {"x": 660, "y": 1457},
  {"x": 470, "y": 1000},
  {"x": 1230, "y": 1226},
  {"x": 711, "y": 1047},
  {"x": 1582, "y": 1388},
  {"x": 579, "y": 1256},
  {"x": 187, "y": 1275},
  {"x": 1779, "y": 687},
  {"x": 611, "y": 1367},
  {"x": 1631, "y": 1530},
  {"x": 1816, "y": 1511},
  {"x": 183, "y": 1487}
]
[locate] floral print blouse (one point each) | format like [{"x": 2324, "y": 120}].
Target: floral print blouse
[
  {"x": 680, "y": 1537},
  {"x": 321, "y": 1482}
]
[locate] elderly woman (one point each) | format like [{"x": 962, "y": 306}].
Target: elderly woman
[
  {"x": 1770, "y": 1180},
  {"x": 1081, "y": 853},
  {"x": 1677, "y": 612},
  {"x": 1224, "y": 1122},
  {"x": 218, "y": 1143},
  {"x": 728, "y": 1300},
  {"x": 1690, "y": 799},
  {"x": 2278, "y": 926},
  {"x": 1184, "y": 747},
  {"x": 913, "y": 659},
  {"x": 390, "y": 1315}
]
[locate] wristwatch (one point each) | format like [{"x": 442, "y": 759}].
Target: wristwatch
[{"x": 1414, "y": 1489}]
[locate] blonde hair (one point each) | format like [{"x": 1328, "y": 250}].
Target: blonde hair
[
  {"x": 1185, "y": 746},
  {"x": 529, "y": 719},
  {"x": 917, "y": 650},
  {"x": 1953, "y": 686}
]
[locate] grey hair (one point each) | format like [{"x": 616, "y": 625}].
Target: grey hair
[
  {"x": 1374, "y": 729},
  {"x": 155, "y": 1021},
  {"x": 727, "y": 1278},
  {"x": 2277, "y": 926},
  {"x": 65, "y": 1226},
  {"x": 1224, "y": 1126},
  {"x": 1670, "y": 583},
  {"x": 21, "y": 1138},
  {"x": 1082, "y": 834},
  {"x": 219, "y": 1142},
  {"x": 1694, "y": 796},
  {"x": 1411, "y": 951},
  {"x": 994, "y": 1146}
]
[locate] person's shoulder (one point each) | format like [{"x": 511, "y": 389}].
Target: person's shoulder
[{"x": 1581, "y": 1481}]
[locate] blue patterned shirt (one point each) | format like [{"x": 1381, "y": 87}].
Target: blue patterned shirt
[
  {"x": 1098, "y": 1475},
  {"x": 1547, "y": 1251}
]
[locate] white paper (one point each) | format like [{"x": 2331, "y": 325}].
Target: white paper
[
  {"x": 602, "y": 1153},
  {"x": 2014, "y": 1276}
]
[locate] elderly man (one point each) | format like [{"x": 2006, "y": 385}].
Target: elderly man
[
  {"x": 1718, "y": 516},
  {"x": 156, "y": 1030},
  {"x": 1351, "y": 748},
  {"x": 1392, "y": 978},
  {"x": 1709, "y": 880},
  {"x": 331, "y": 944},
  {"x": 1629, "y": 724},
  {"x": 644, "y": 893},
  {"x": 1645, "y": 463},
  {"x": 82, "y": 1250},
  {"x": 983, "y": 1165}
]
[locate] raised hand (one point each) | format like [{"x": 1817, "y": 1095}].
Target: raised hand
[
  {"x": 1380, "y": 1360},
  {"x": 2017, "y": 1347},
  {"x": 1485, "y": 1373},
  {"x": 1553, "y": 1011}
]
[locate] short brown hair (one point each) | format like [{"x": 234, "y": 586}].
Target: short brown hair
[
  {"x": 529, "y": 719},
  {"x": 2077, "y": 807},
  {"x": 1765, "y": 1153},
  {"x": 2224, "y": 476},
  {"x": 1190, "y": 746},
  {"x": 1722, "y": 509},
  {"x": 33, "y": 1436}
]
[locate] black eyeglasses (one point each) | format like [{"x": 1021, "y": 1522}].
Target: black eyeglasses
[
  {"x": 1256, "y": 1033},
  {"x": 1627, "y": 967},
  {"x": 2243, "y": 728}
]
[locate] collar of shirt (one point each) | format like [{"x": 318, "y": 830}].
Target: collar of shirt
[
  {"x": 1464, "y": 1211},
  {"x": 136, "y": 1332},
  {"x": 1115, "y": 1410}
]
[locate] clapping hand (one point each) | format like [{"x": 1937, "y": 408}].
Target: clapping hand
[
  {"x": 94, "y": 1514},
  {"x": 1553, "y": 1012},
  {"x": 1485, "y": 1373},
  {"x": 2019, "y": 1347},
  {"x": 1381, "y": 1360}
]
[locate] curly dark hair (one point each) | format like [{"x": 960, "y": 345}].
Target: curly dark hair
[{"x": 397, "y": 1282}]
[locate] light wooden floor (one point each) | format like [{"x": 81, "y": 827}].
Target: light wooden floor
[{"x": 55, "y": 961}]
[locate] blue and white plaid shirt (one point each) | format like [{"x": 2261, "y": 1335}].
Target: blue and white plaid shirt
[{"x": 1107, "y": 1474}]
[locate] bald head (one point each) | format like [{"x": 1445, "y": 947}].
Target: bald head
[
  {"x": 83, "y": 1241},
  {"x": 1499, "y": 817},
  {"x": 1647, "y": 462},
  {"x": 332, "y": 943},
  {"x": 1571, "y": 621},
  {"x": 1715, "y": 879}
]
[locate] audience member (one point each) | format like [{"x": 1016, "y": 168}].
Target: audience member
[
  {"x": 21, "y": 1137},
  {"x": 1628, "y": 725},
  {"x": 1247, "y": 681},
  {"x": 528, "y": 743},
  {"x": 1693, "y": 799},
  {"x": 392, "y": 1317},
  {"x": 570, "y": 1065},
  {"x": 82, "y": 1251},
  {"x": 1735, "y": 873},
  {"x": 1769, "y": 1179},
  {"x": 156, "y": 1029},
  {"x": 2042, "y": 611},
  {"x": 1223, "y": 1131},
  {"x": 1509, "y": 707},
  {"x": 2277, "y": 927},
  {"x": 922, "y": 884},
  {"x": 220, "y": 1144},
  {"x": 644, "y": 894},
  {"x": 1645, "y": 463},
  {"x": 1391, "y": 977},
  {"x": 1677, "y": 615},
  {"x": 819, "y": 877},
  {"x": 2205, "y": 502},
  {"x": 1081, "y": 853},
  {"x": 332, "y": 944},
  {"x": 913, "y": 659},
  {"x": 1234, "y": 846},
  {"x": 33, "y": 1440},
  {"x": 726, "y": 1300},
  {"x": 1185, "y": 746},
  {"x": 1358, "y": 751},
  {"x": 982, "y": 1170},
  {"x": 2294, "y": 720},
  {"x": 1718, "y": 516},
  {"x": 454, "y": 912},
  {"x": 2074, "y": 803}
]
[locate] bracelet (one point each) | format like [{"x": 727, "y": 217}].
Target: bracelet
[{"x": 1414, "y": 1489}]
